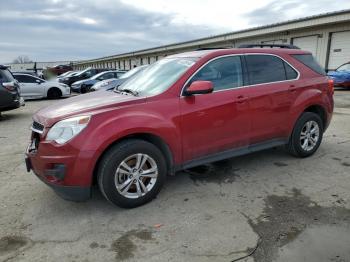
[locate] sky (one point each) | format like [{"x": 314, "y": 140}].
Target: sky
[{"x": 70, "y": 30}]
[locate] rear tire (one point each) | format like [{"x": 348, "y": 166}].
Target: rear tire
[
  {"x": 131, "y": 173},
  {"x": 306, "y": 136},
  {"x": 54, "y": 93}
]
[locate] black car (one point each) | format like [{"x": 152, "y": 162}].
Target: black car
[
  {"x": 85, "y": 74},
  {"x": 9, "y": 91}
]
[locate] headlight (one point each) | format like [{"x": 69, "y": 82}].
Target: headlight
[{"x": 65, "y": 130}]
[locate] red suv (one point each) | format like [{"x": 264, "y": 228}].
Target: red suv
[{"x": 184, "y": 110}]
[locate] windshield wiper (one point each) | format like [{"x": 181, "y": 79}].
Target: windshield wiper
[{"x": 126, "y": 90}]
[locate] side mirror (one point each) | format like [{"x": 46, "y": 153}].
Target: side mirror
[
  {"x": 38, "y": 81},
  {"x": 200, "y": 87}
]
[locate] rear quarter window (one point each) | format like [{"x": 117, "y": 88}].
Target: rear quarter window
[
  {"x": 5, "y": 76},
  {"x": 310, "y": 62}
]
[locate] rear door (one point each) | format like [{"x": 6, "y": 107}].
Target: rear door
[
  {"x": 272, "y": 81},
  {"x": 219, "y": 121},
  {"x": 30, "y": 87}
]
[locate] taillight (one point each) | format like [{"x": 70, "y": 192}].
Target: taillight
[
  {"x": 9, "y": 86},
  {"x": 331, "y": 86}
]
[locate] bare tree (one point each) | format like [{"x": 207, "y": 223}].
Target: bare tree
[{"x": 21, "y": 59}]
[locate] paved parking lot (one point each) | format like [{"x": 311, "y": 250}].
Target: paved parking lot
[{"x": 267, "y": 206}]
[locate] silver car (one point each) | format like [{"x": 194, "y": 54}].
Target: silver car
[
  {"x": 114, "y": 82},
  {"x": 35, "y": 87}
]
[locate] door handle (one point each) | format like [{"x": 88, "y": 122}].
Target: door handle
[
  {"x": 292, "y": 88},
  {"x": 241, "y": 99}
]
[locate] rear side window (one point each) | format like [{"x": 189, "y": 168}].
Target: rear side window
[
  {"x": 265, "y": 69},
  {"x": 26, "y": 79},
  {"x": 310, "y": 62}
]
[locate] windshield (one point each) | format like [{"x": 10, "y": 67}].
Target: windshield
[
  {"x": 158, "y": 77},
  {"x": 132, "y": 71},
  {"x": 345, "y": 67},
  {"x": 99, "y": 74},
  {"x": 84, "y": 71}
]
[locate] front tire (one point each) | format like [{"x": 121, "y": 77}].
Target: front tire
[
  {"x": 54, "y": 93},
  {"x": 307, "y": 135},
  {"x": 131, "y": 173}
]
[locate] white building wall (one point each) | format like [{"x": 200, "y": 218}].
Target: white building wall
[{"x": 322, "y": 28}]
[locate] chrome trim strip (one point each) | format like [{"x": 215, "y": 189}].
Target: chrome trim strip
[
  {"x": 244, "y": 86},
  {"x": 36, "y": 130}
]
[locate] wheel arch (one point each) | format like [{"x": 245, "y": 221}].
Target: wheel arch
[
  {"x": 149, "y": 137},
  {"x": 51, "y": 88},
  {"x": 320, "y": 111}
]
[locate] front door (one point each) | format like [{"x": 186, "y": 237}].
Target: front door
[{"x": 219, "y": 121}]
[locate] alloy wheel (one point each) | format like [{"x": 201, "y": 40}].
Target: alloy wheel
[
  {"x": 136, "y": 175},
  {"x": 309, "y": 136}
]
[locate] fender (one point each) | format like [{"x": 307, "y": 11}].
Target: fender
[
  {"x": 122, "y": 122},
  {"x": 307, "y": 98}
]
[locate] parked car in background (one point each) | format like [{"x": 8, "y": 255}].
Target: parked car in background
[
  {"x": 10, "y": 97},
  {"x": 112, "y": 83},
  {"x": 182, "y": 111},
  {"x": 85, "y": 74},
  {"x": 67, "y": 74},
  {"x": 83, "y": 86},
  {"x": 25, "y": 72},
  {"x": 341, "y": 76},
  {"x": 59, "y": 69},
  {"x": 35, "y": 87}
]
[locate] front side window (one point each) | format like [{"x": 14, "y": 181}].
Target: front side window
[
  {"x": 159, "y": 76},
  {"x": 224, "y": 73},
  {"x": 265, "y": 69}
]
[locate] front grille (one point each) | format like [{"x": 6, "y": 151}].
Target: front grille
[{"x": 37, "y": 127}]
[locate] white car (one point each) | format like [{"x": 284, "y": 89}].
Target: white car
[{"x": 35, "y": 87}]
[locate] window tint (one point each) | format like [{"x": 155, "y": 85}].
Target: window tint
[
  {"x": 118, "y": 75},
  {"x": 19, "y": 78},
  {"x": 25, "y": 79},
  {"x": 265, "y": 69},
  {"x": 106, "y": 76},
  {"x": 225, "y": 73},
  {"x": 5, "y": 76},
  {"x": 290, "y": 72},
  {"x": 310, "y": 62}
]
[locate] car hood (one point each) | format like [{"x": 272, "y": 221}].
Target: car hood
[{"x": 88, "y": 104}]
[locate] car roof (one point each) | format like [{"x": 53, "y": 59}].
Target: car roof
[
  {"x": 3, "y": 67},
  {"x": 229, "y": 51}
]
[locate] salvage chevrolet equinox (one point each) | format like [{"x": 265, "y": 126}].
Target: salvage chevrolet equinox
[{"x": 182, "y": 111}]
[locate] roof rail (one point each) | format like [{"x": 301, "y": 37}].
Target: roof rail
[
  {"x": 210, "y": 48},
  {"x": 286, "y": 46}
]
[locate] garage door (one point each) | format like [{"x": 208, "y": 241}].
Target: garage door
[
  {"x": 307, "y": 43},
  {"x": 340, "y": 49}
]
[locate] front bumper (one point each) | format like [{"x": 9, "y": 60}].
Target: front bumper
[
  {"x": 66, "y": 171},
  {"x": 71, "y": 193}
]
